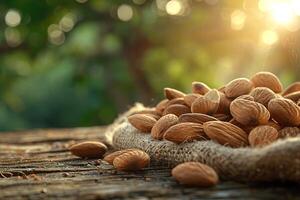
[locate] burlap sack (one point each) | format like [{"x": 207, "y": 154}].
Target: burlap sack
[{"x": 277, "y": 161}]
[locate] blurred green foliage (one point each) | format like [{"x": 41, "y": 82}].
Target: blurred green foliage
[{"x": 83, "y": 72}]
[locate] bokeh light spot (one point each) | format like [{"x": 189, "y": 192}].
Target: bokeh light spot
[
  {"x": 12, "y": 18},
  {"x": 174, "y": 7},
  {"x": 13, "y": 37},
  {"x": 238, "y": 18},
  {"x": 67, "y": 23},
  {"x": 125, "y": 12},
  {"x": 269, "y": 37},
  {"x": 81, "y": 1}
]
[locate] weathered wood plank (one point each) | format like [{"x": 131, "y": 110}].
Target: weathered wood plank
[{"x": 37, "y": 165}]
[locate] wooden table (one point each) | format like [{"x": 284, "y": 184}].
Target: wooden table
[{"x": 37, "y": 165}]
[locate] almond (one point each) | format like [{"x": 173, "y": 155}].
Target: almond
[
  {"x": 195, "y": 174},
  {"x": 262, "y": 136},
  {"x": 246, "y": 97},
  {"x": 294, "y": 96},
  {"x": 262, "y": 95},
  {"x": 207, "y": 104},
  {"x": 284, "y": 111},
  {"x": 196, "y": 118},
  {"x": 224, "y": 104},
  {"x": 149, "y": 112},
  {"x": 160, "y": 107},
  {"x": 172, "y": 93},
  {"x": 190, "y": 98},
  {"x": 247, "y": 129},
  {"x": 142, "y": 122},
  {"x": 249, "y": 112},
  {"x": 289, "y": 132},
  {"x": 267, "y": 79},
  {"x": 162, "y": 125},
  {"x": 110, "y": 157},
  {"x": 238, "y": 87},
  {"x": 274, "y": 125},
  {"x": 176, "y": 101},
  {"x": 131, "y": 160},
  {"x": 199, "y": 88},
  {"x": 88, "y": 149},
  {"x": 184, "y": 132},
  {"x": 294, "y": 87},
  {"x": 177, "y": 109},
  {"x": 226, "y": 133}
]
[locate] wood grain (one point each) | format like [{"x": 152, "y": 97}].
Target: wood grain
[{"x": 37, "y": 165}]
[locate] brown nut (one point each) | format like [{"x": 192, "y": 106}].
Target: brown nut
[
  {"x": 238, "y": 87},
  {"x": 88, "y": 149},
  {"x": 162, "y": 125},
  {"x": 131, "y": 160},
  {"x": 262, "y": 136},
  {"x": 267, "y": 79},
  {"x": 142, "y": 122}
]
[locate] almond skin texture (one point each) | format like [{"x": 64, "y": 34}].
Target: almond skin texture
[
  {"x": 222, "y": 117},
  {"x": 162, "y": 125},
  {"x": 195, "y": 174},
  {"x": 294, "y": 87},
  {"x": 131, "y": 161},
  {"x": 196, "y": 118},
  {"x": 289, "y": 132},
  {"x": 89, "y": 149},
  {"x": 224, "y": 104},
  {"x": 285, "y": 112},
  {"x": 200, "y": 88},
  {"x": 238, "y": 87},
  {"x": 262, "y": 136},
  {"x": 172, "y": 93},
  {"x": 177, "y": 109},
  {"x": 160, "y": 107},
  {"x": 267, "y": 79},
  {"x": 190, "y": 98},
  {"x": 226, "y": 133},
  {"x": 262, "y": 95},
  {"x": 274, "y": 125},
  {"x": 249, "y": 112},
  {"x": 246, "y": 97},
  {"x": 207, "y": 104},
  {"x": 142, "y": 122},
  {"x": 110, "y": 157},
  {"x": 176, "y": 101},
  {"x": 294, "y": 96},
  {"x": 184, "y": 132}
]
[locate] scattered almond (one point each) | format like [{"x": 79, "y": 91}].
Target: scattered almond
[
  {"x": 262, "y": 136},
  {"x": 195, "y": 174},
  {"x": 162, "y": 125},
  {"x": 110, "y": 157},
  {"x": 142, "y": 122},
  {"x": 88, "y": 149},
  {"x": 267, "y": 79},
  {"x": 131, "y": 161}
]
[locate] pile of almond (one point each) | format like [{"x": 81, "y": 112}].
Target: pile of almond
[{"x": 245, "y": 112}]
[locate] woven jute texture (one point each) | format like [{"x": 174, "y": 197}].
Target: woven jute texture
[{"x": 279, "y": 161}]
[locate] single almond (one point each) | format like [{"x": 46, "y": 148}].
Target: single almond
[
  {"x": 267, "y": 79},
  {"x": 249, "y": 112},
  {"x": 200, "y": 88},
  {"x": 226, "y": 133},
  {"x": 207, "y": 104},
  {"x": 162, "y": 125},
  {"x": 110, "y": 157},
  {"x": 246, "y": 97},
  {"x": 196, "y": 118},
  {"x": 176, "y": 109},
  {"x": 160, "y": 107},
  {"x": 289, "y": 132},
  {"x": 142, "y": 122},
  {"x": 88, "y": 149},
  {"x": 238, "y": 87},
  {"x": 294, "y": 87},
  {"x": 184, "y": 132},
  {"x": 195, "y": 174},
  {"x": 294, "y": 96},
  {"x": 131, "y": 161},
  {"x": 262, "y": 136},
  {"x": 171, "y": 93},
  {"x": 285, "y": 112},
  {"x": 190, "y": 98},
  {"x": 263, "y": 95}
]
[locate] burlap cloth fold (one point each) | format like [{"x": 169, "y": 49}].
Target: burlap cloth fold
[{"x": 277, "y": 161}]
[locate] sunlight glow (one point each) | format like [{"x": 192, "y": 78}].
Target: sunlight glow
[
  {"x": 12, "y": 18},
  {"x": 269, "y": 37},
  {"x": 125, "y": 12},
  {"x": 238, "y": 18},
  {"x": 174, "y": 7}
]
